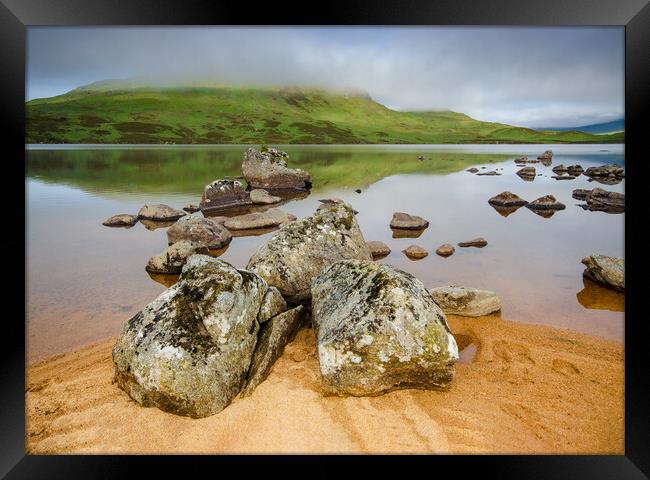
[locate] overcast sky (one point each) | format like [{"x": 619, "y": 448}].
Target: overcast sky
[{"x": 517, "y": 75}]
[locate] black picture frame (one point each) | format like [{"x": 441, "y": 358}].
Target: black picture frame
[{"x": 16, "y": 15}]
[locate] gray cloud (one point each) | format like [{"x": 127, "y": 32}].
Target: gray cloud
[{"x": 522, "y": 76}]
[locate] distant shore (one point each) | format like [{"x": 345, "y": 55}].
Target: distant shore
[{"x": 528, "y": 389}]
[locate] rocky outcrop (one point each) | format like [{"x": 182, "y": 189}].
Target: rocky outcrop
[
  {"x": 189, "y": 351},
  {"x": 268, "y": 218},
  {"x": 173, "y": 259},
  {"x": 609, "y": 271},
  {"x": 200, "y": 230},
  {"x": 260, "y": 196},
  {"x": 599, "y": 200},
  {"x": 479, "y": 242},
  {"x": 445, "y": 250},
  {"x": 268, "y": 170},
  {"x": 415, "y": 252},
  {"x": 378, "y": 249},
  {"x": 160, "y": 213},
  {"x": 297, "y": 253},
  {"x": 464, "y": 301},
  {"x": 507, "y": 199},
  {"x": 273, "y": 337},
  {"x": 224, "y": 194},
  {"x": 378, "y": 330},
  {"x": 547, "y": 202},
  {"x": 121, "y": 220},
  {"x": 404, "y": 221}
]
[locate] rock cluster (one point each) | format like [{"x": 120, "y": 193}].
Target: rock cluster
[{"x": 599, "y": 200}]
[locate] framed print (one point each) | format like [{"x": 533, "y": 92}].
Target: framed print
[{"x": 384, "y": 229}]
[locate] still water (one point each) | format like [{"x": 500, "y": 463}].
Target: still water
[{"x": 85, "y": 280}]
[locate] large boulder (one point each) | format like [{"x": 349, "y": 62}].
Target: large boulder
[
  {"x": 160, "y": 213},
  {"x": 273, "y": 337},
  {"x": 224, "y": 194},
  {"x": 378, "y": 330},
  {"x": 609, "y": 271},
  {"x": 467, "y": 302},
  {"x": 297, "y": 252},
  {"x": 172, "y": 260},
  {"x": 188, "y": 352},
  {"x": 269, "y": 218},
  {"x": 200, "y": 230},
  {"x": 268, "y": 170}
]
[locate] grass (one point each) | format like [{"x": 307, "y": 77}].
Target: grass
[{"x": 119, "y": 113}]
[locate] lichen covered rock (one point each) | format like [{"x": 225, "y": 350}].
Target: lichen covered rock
[
  {"x": 378, "y": 330},
  {"x": 268, "y": 170},
  {"x": 188, "y": 352},
  {"x": 176, "y": 255},
  {"x": 297, "y": 252},
  {"x": 200, "y": 230},
  {"x": 609, "y": 271},
  {"x": 272, "y": 305},
  {"x": 464, "y": 301}
]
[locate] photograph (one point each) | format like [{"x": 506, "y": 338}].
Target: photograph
[{"x": 359, "y": 239}]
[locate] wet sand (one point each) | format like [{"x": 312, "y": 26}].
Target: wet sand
[{"x": 528, "y": 389}]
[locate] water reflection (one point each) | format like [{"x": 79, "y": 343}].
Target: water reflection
[{"x": 598, "y": 297}]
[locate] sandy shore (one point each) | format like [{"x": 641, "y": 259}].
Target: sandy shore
[{"x": 529, "y": 389}]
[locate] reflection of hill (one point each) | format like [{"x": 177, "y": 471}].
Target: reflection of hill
[{"x": 111, "y": 172}]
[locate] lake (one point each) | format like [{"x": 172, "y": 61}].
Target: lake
[{"x": 84, "y": 280}]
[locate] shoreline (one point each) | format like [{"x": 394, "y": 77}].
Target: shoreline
[{"x": 528, "y": 389}]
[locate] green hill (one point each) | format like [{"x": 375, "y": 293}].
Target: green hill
[{"x": 119, "y": 112}]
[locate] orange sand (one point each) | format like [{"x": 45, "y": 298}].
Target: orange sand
[{"x": 530, "y": 389}]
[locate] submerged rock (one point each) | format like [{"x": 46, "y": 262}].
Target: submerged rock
[
  {"x": 415, "y": 252},
  {"x": 404, "y": 221},
  {"x": 378, "y": 330},
  {"x": 188, "y": 352},
  {"x": 160, "y": 213},
  {"x": 609, "y": 271},
  {"x": 547, "y": 202},
  {"x": 273, "y": 337},
  {"x": 268, "y": 169},
  {"x": 260, "y": 196},
  {"x": 468, "y": 302},
  {"x": 479, "y": 242},
  {"x": 378, "y": 249},
  {"x": 268, "y": 218},
  {"x": 121, "y": 220},
  {"x": 507, "y": 199},
  {"x": 200, "y": 230},
  {"x": 445, "y": 250},
  {"x": 599, "y": 200},
  {"x": 173, "y": 259},
  {"x": 223, "y": 194},
  {"x": 298, "y": 252}
]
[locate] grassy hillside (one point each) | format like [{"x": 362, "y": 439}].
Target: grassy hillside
[{"x": 126, "y": 113}]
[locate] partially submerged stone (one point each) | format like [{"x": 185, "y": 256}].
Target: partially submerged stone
[
  {"x": 274, "y": 335},
  {"x": 404, "y": 221},
  {"x": 547, "y": 155},
  {"x": 378, "y": 249},
  {"x": 507, "y": 199},
  {"x": 260, "y": 196},
  {"x": 465, "y": 301},
  {"x": 188, "y": 352},
  {"x": 269, "y": 218},
  {"x": 472, "y": 170},
  {"x": 297, "y": 252},
  {"x": 172, "y": 260},
  {"x": 560, "y": 168},
  {"x": 445, "y": 250},
  {"x": 378, "y": 330},
  {"x": 479, "y": 242},
  {"x": 489, "y": 174},
  {"x": 575, "y": 170},
  {"x": 547, "y": 202},
  {"x": 415, "y": 252},
  {"x": 527, "y": 172},
  {"x": 200, "y": 230},
  {"x": 563, "y": 177},
  {"x": 609, "y": 271},
  {"x": 268, "y": 170},
  {"x": 599, "y": 200},
  {"x": 160, "y": 213},
  {"x": 121, "y": 220},
  {"x": 223, "y": 194},
  {"x": 612, "y": 171}
]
